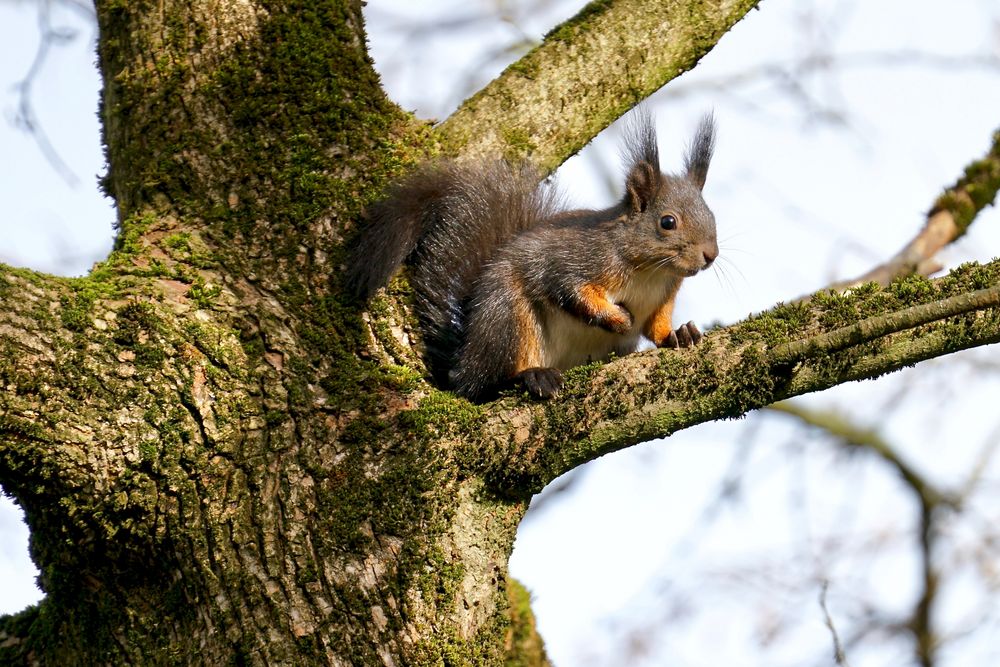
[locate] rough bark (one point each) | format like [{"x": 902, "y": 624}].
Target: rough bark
[{"x": 224, "y": 461}]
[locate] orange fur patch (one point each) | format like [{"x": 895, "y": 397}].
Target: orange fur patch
[
  {"x": 659, "y": 326},
  {"x": 594, "y": 301},
  {"x": 529, "y": 344}
]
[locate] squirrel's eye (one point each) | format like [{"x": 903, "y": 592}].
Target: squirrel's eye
[{"x": 668, "y": 222}]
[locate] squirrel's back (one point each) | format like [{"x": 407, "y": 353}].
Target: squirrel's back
[{"x": 446, "y": 221}]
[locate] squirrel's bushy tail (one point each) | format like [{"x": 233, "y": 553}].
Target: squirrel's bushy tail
[{"x": 446, "y": 221}]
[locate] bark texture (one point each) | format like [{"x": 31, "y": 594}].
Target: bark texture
[
  {"x": 587, "y": 73},
  {"x": 223, "y": 460}
]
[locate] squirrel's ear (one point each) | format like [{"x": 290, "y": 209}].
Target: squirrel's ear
[
  {"x": 641, "y": 185},
  {"x": 641, "y": 159},
  {"x": 700, "y": 154}
]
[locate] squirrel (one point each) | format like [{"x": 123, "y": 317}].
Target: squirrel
[{"x": 510, "y": 287}]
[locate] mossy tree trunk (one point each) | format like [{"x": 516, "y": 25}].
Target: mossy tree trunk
[{"x": 223, "y": 460}]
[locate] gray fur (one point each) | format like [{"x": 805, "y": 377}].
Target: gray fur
[
  {"x": 700, "y": 153},
  {"x": 489, "y": 249}
]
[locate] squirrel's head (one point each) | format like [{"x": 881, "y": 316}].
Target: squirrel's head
[{"x": 674, "y": 230}]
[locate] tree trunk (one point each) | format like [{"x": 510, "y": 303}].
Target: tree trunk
[{"x": 223, "y": 460}]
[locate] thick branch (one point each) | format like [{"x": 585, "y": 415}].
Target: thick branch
[
  {"x": 61, "y": 414},
  {"x": 740, "y": 368},
  {"x": 37, "y": 317},
  {"x": 587, "y": 72},
  {"x": 105, "y": 391}
]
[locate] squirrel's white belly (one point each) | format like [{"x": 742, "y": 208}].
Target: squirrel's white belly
[{"x": 569, "y": 341}]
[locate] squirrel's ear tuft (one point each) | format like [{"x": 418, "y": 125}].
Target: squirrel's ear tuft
[
  {"x": 642, "y": 160},
  {"x": 700, "y": 154}
]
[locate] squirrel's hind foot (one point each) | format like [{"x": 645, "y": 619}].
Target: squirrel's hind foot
[{"x": 541, "y": 382}]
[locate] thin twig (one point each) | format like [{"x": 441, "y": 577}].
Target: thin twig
[
  {"x": 25, "y": 117},
  {"x": 920, "y": 624},
  {"x": 838, "y": 649}
]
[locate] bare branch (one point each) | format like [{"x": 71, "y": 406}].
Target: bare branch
[
  {"x": 930, "y": 499},
  {"x": 838, "y": 649},
  {"x": 25, "y": 117},
  {"x": 948, "y": 220},
  {"x": 852, "y": 435},
  {"x": 880, "y": 325},
  {"x": 788, "y": 74}
]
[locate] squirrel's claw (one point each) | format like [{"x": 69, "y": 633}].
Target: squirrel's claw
[
  {"x": 693, "y": 332},
  {"x": 686, "y": 335},
  {"x": 541, "y": 382}
]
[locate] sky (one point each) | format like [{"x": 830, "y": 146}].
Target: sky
[{"x": 816, "y": 177}]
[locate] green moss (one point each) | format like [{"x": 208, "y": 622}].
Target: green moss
[
  {"x": 12, "y": 426},
  {"x": 526, "y": 67},
  {"x": 274, "y": 418},
  {"x": 525, "y": 646},
  {"x": 773, "y": 326},
  {"x": 135, "y": 320},
  {"x": 911, "y": 290},
  {"x": 970, "y": 276},
  {"x": 566, "y": 31},
  {"x": 131, "y": 231},
  {"x": 179, "y": 241},
  {"x": 402, "y": 379},
  {"x": 484, "y": 649},
  {"x": 149, "y": 357},
  {"x": 252, "y": 342},
  {"x": 75, "y": 310},
  {"x": 441, "y": 409},
  {"x": 203, "y": 294},
  {"x": 576, "y": 380},
  {"x": 147, "y": 452},
  {"x": 519, "y": 143},
  {"x": 17, "y": 625},
  {"x": 976, "y": 189}
]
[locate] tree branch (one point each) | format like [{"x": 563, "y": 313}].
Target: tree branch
[
  {"x": 929, "y": 497},
  {"x": 740, "y": 368},
  {"x": 949, "y": 218},
  {"x": 855, "y": 436},
  {"x": 588, "y": 71},
  {"x": 881, "y": 325},
  {"x": 55, "y": 451},
  {"x": 838, "y": 648},
  {"x": 25, "y": 117}
]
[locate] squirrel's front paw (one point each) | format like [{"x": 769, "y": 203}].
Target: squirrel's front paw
[
  {"x": 685, "y": 335},
  {"x": 542, "y": 382},
  {"x": 617, "y": 320}
]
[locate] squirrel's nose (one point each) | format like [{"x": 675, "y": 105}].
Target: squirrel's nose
[{"x": 710, "y": 254}]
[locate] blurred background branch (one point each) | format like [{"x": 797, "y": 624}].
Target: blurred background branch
[{"x": 50, "y": 36}]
